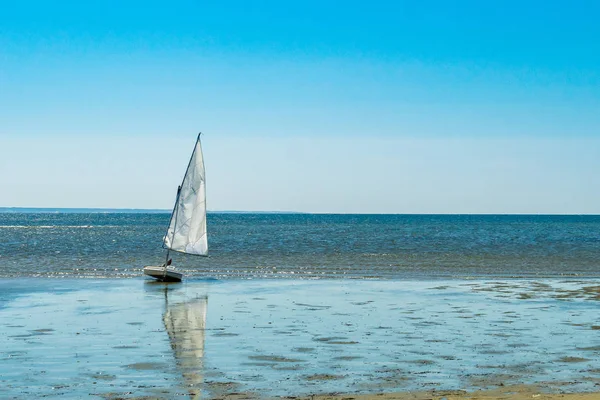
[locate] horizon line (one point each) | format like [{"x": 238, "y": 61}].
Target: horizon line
[{"x": 92, "y": 210}]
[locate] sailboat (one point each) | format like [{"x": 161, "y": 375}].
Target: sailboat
[{"x": 186, "y": 232}]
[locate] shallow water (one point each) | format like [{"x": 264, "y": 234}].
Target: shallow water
[
  {"x": 255, "y": 246},
  {"x": 130, "y": 337}
]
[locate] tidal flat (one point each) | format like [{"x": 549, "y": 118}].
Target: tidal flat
[{"x": 133, "y": 338}]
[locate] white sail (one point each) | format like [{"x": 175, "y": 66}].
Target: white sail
[{"x": 187, "y": 229}]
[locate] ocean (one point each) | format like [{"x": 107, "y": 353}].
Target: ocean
[
  {"x": 304, "y": 246},
  {"x": 299, "y": 304}
]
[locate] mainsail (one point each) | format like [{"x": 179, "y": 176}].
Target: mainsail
[{"x": 187, "y": 229}]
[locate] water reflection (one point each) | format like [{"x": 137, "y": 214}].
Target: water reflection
[{"x": 185, "y": 321}]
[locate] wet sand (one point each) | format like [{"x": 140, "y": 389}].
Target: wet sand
[
  {"x": 131, "y": 338},
  {"x": 520, "y": 392}
]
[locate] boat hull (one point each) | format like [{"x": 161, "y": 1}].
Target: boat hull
[{"x": 159, "y": 273}]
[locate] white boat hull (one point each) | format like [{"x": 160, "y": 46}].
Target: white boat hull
[{"x": 159, "y": 273}]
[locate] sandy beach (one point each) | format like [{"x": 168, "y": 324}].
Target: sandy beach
[{"x": 131, "y": 338}]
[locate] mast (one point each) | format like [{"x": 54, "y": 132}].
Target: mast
[{"x": 175, "y": 224}]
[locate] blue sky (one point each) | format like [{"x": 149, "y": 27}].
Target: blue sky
[{"x": 318, "y": 106}]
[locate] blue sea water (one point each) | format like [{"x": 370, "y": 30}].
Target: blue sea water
[
  {"x": 305, "y": 246},
  {"x": 302, "y": 304}
]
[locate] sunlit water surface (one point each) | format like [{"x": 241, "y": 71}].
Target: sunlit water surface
[
  {"x": 251, "y": 246},
  {"x": 115, "y": 338}
]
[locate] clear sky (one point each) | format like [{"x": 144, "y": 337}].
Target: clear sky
[{"x": 320, "y": 106}]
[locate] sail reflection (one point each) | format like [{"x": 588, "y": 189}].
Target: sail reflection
[{"x": 185, "y": 323}]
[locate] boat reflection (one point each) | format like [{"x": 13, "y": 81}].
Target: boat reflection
[{"x": 185, "y": 322}]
